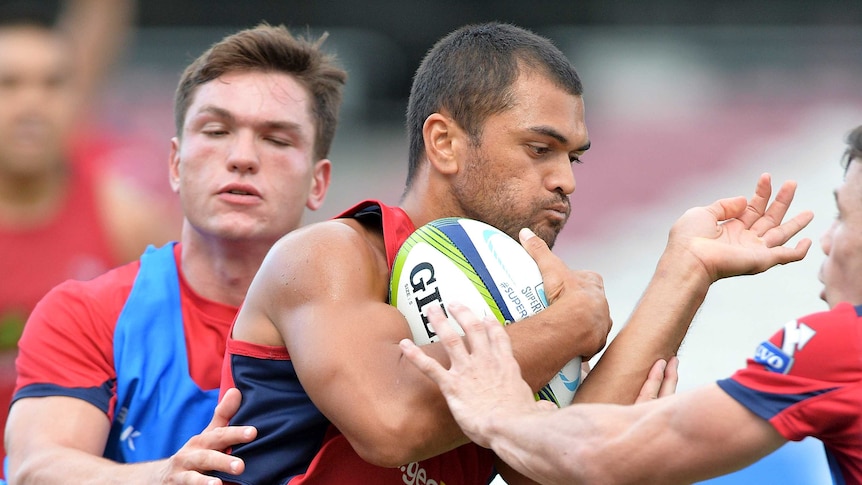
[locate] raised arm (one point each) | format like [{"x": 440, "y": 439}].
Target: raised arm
[
  {"x": 99, "y": 30},
  {"x": 674, "y": 440},
  {"x": 727, "y": 238},
  {"x": 61, "y": 439}
]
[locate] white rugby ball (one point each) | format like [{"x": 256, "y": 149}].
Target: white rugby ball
[{"x": 475, "y": 264}]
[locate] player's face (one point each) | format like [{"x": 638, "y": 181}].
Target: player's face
[
  {"x": 36, "y": 100},
  {"x": 520, "y": 174},
  {"x": 841, "y": 272},
  {"x": 244, "y": 166}
]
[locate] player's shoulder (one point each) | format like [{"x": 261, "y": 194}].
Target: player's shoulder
[
  {"x": 106, "y": 291},
  {"x": 337, "y": 252},
  {"x": 118, "y": 280},
  {"x": 834, "y": 320},
  {"x": 92, "y": 303},
  {"x": 331, "y": 239}
]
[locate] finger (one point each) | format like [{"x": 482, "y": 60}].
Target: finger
[
  {"x": 422, "y": 361},
  {"x": 777, "y": 209},
  {"x": 218, "y": 435},
  {"x": 192, "y": 477},
  {"x": 757, "y": 205},
  {"x": 226, "y": 408},
  {"x": 671, "y": 377},
  {"x": 546, "y": 405},
  {"x": 475, "y": 330},
  {"x": 196, "y": 458},
  {"x": 224, "y": 437},
  {"x": 585, "y": 369},
  {"x": 784, "y": 255},
  {"x": 779, "y": 235},
  {"x": 451, "y": 340},
  {"x": 498, "y": 338},
  {"x": 214, "y": 461},
  {"x": 550, "y": 266},
  {"x": 653, "y": 384}
]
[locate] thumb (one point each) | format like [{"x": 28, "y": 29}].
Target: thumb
[
  {"x": 226, "y": 408},
  {"x": 725, "y": 209},
  {"x": 543, "y": 405},
  {"x": 549, "y": 264}
]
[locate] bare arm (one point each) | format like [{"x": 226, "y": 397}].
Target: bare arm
[
  {"x": 322, "y": 293},
  {"x": 678, "y": 439},
  {"x": 61, "y": 440},
  {"x": 99, "y": 30},
  {"x": 728, "y": 238}
]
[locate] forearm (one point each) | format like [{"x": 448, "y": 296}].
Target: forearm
[
  {"x": 654, "y": 331},
  {"x": 99, "y": 30},
  {"x": 680, "y": 439},
  {"x": 532, "y": 444},
  {"x": 583, "y": 444},
  {"x": 56, "y": 465},
  {"x": 543, "y": 345}
]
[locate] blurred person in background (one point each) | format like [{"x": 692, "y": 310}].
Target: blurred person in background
[
  {"x": 806, "y": 380},
  {"x": 63, "y": 213},
  {"x": 117, "y": 375}
]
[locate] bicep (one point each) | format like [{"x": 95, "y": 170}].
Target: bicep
[
  {"x": 345, "y": 345},
  {"x": 328, "y": 304}
]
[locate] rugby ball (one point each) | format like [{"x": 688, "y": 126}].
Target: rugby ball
[{"x": 477, "y": 265}]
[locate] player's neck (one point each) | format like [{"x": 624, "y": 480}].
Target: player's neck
[
  {"x": 31, "y": 199},
  {"x": 220, "y": 270},
  {"x": 416, "y": 204}
]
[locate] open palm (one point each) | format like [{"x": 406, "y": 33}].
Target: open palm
[{"x": 733, "y": 236}]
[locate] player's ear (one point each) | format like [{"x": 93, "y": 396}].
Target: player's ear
[
  {"x": 444, "y": 141},
  {"x": 320, "y": 179},
  {"x": 174, "y": 165}
]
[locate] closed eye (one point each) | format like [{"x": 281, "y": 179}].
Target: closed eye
[{"x": 280, "y": 142}]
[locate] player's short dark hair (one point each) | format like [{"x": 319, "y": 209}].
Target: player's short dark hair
[
  {"x": 854, "y": 147},
  {"x": 269, "y": 48},
  {"x": 470, "y": 72}
]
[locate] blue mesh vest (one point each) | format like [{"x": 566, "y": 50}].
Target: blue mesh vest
[{"x": 159, "y": 407}]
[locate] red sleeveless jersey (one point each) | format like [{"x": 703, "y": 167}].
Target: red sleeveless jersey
[{"x": 72, "y": 245}]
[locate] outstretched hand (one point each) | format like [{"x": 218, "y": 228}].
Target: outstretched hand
[
  {"x": 483, "y": 384},
  {"x": 733, "y": 236},
  {"x": 205, "y": 452}
]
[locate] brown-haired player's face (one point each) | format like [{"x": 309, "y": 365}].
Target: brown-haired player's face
[
  {"x": 244, "y": 166},
  {"x": 841, "y": 271},
  {"x": 520, "y": 174},
  {"x": 37, "y": 99}
]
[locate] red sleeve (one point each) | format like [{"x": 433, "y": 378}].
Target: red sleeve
[
  {"x": 67, "y": 345},
  {"x": 816, "y": 390}
]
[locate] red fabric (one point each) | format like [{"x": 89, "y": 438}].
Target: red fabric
[
  {"x": 67, "y": 345},
  {"x": 68, "y": 341},
  {"x": 73, "y": 244},
  {"x": 820, "y": 393}
]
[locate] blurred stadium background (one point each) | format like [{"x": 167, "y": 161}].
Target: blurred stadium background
[{"x": 687, "y": 102}]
